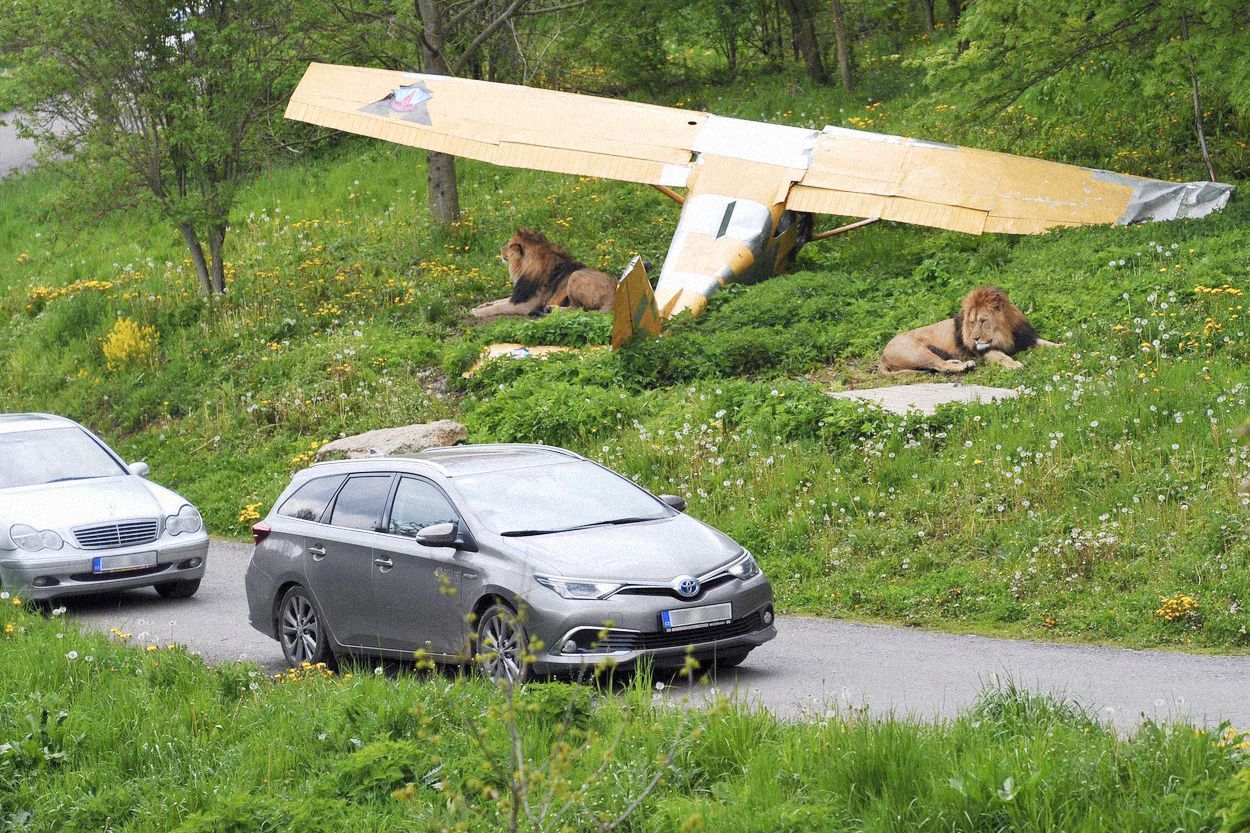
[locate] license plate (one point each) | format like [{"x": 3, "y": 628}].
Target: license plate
[
  {"x": 691, "y": 618},
  {"x": 122, "y": 563}
]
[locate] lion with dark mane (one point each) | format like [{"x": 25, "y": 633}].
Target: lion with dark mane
[
  {"x": 543, "y": 276},
  {"x": 988, "y": 326}
]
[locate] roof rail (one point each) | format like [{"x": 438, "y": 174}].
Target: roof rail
[
  {"x": 375, "y": 458},
  {"x": 551, "y": 449}
]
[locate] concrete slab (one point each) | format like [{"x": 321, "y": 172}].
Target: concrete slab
[{"x": 925, "y": 396}]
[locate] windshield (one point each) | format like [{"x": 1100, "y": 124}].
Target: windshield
[
  {"x": 28, "y": 458},
  {"x": 556, "y": 498}
]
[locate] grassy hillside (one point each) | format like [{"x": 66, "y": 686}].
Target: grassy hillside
[
  {"x": 99, "y": 735},
  {"x": 1107, "y": 487}
]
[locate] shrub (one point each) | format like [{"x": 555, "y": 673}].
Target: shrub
[
  {"x": 130, "y": 343},
  {"x": 1236, "y": 811},
  {"x": 568, "y": 328},
  {"x": 375, "y": 770},
  {"x": 554, "y": 413}
]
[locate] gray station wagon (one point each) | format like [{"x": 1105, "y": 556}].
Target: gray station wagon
[{"x": 554, "y": 562}]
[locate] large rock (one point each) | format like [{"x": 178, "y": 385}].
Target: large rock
[{"x": 408, "y": 439}]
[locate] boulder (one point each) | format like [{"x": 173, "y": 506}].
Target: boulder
[{"x": 408, "y": 439}]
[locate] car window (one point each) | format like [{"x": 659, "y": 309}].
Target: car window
[
  {"x": 556, "y": 497},
  {"x": 311, "y": 499},
  {"x": 51, "y": 455},
  {"x": 418, "y": 504},
  {"x": 360, "y": 501}
]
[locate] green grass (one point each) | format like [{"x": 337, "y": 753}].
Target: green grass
[
  {"x": 1070, "y": 513},
  {"x": 98, "y": 735}
]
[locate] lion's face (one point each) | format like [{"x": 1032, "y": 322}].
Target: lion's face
[
  {"x": 512, "y": 254},
  {"x": 530, "y": 255},
  {"x": 989, "y": 320}
]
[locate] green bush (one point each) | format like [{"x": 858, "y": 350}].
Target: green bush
[
  {"x": 375, "y": 770},
  {"x": 1236, "y": 812},
  {"x": 555, "y": 413}
]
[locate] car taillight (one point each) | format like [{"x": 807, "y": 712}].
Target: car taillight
[{"x": 260, "y": 532}]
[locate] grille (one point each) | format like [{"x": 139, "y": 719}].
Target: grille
[
  {"x": 617, "y": 640},
  {"x": 669, "y": 592},
  {"x": 122, "y": 534}
]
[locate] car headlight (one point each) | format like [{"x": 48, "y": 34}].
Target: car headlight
[
  {"x": 579, "y": 588},
  {"x": 745, "y": 567},
  {"x": 34, "y": 540},
  {"x": 187, "y": 520}
]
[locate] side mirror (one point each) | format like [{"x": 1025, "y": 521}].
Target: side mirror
[
  {"x": 675, "y": 501},
  {"x": 140, "y": 469},
  {"x": 439, "y": 535}
]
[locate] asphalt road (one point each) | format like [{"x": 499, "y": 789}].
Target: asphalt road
[
  {"x": 813, "y": 666},
  {"x": 15, "y": 154}
]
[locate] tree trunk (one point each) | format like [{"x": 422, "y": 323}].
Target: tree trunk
[
  {"x": 217, "y": 265},
  {"x": 805, "y": 40},
  {"x": 926, "y": 6},
  {"x": 956, "y": 8},
  {"x": 197, "y": 257},
  {"x": 1193, "y": 86},
  {"x": 843, "y": 47},
  {"x": 442, "y": 194}
]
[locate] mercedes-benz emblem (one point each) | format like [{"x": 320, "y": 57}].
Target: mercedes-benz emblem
[{"x": 687, "y": 586}]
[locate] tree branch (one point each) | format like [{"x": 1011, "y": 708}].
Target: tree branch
[{"x": 471, "y": 50}]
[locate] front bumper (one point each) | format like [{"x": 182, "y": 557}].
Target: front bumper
[
  {"x": 70, "y": 569},
  {"x": 631, "y": 630}
]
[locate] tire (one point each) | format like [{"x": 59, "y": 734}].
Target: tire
[
  {"x": 501, "y": 646},
  {"x": 181, "y": 589},
  {"x": 302, "y": 631}
]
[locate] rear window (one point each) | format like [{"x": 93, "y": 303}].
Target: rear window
[
  {"x": 311, "y": 499},
  {"x": 360, "y": 502}
]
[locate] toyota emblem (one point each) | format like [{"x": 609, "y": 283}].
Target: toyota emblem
[{"x": 687, "y": 586}]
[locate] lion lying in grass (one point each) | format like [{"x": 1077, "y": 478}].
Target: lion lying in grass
[
  {"x": 544, "y": 275},
  {"x": 988, "y": 326}
]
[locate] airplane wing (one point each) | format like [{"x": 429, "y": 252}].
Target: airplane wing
[
  {"x": 835, "y": 171},
  {"x": 506, "y": 124},
  {"x": 855, "y": 173}
]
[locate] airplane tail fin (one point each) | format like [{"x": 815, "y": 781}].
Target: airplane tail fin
[{"x": 635, "y": 310}]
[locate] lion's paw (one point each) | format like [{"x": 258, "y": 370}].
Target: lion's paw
[{"x": 957, "y": 366}]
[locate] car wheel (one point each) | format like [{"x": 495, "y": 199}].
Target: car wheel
[
  {"x": 302, "y": 631},
  {"x": 180, "y": 589},
  {"x": 501, "y": 646}
]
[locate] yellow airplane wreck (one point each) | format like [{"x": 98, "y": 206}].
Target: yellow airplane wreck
[{"x": 751, "y": 187}]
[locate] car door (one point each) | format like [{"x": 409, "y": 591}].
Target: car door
[
  {"x": 415, "y": 594},
  {"x": 339, "y": 558}
]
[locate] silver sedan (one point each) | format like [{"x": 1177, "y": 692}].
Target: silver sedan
[
  {"x": 75, "y": 519},
  {"x": 529, "y": 559}
]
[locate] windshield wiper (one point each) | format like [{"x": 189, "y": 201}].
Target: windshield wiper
[
  {"x": 525, "y": 533},
  {"x": 72, "y": 477}
]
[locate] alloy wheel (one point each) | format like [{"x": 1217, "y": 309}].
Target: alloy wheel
[
  {"x": 300, "y": 629},
  {"x": 501, "y": 644}
]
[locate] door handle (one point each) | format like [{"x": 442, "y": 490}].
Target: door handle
[
  {"x": 384, "y": 563},
  {"x": 317, "y": 551}
]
